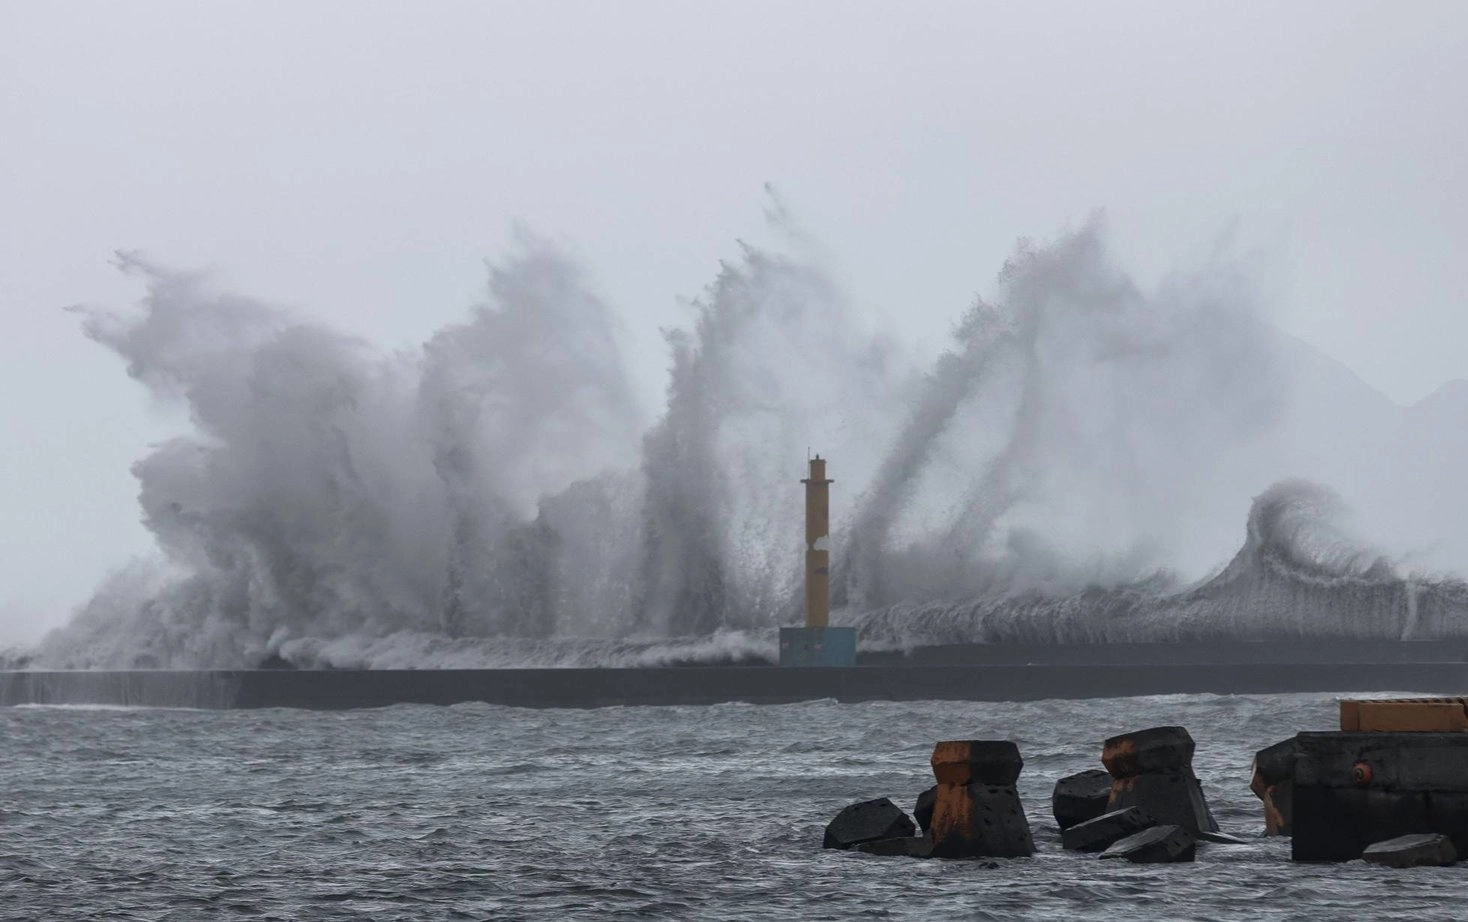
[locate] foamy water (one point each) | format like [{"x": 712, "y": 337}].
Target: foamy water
[{"x": 478, "y": 812}]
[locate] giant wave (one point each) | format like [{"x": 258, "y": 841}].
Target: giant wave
[{"x": 1071, "y": 468}]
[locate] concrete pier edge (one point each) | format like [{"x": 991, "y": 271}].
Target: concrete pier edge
[{"x": 702, "y": 685}]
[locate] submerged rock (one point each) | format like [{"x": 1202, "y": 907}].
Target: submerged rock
[
  {"x": 1157, "y": 845},
  {"x": 905, "y": 847},
  {"x": 1080, "y": 797},
  {"x": 867, "y": 821},
  {"x": 1097, "y": 834},
  {"x": 1414, "y": 851}
]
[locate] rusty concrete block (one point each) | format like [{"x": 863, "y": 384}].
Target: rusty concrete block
[
  {"x": 980, "y": 821},
  {"x": 1279, "y": 809},
  {"x": 1159, "y": 749},
  {"x": 1174, "y": 797},
  {"x": 1273, "y": 783},
  {"x": 981, "y": 761}
]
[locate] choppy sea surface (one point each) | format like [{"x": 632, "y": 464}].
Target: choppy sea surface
[{"x": 481, "y": 812}]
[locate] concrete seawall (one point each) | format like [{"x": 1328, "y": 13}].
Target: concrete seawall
[
  {"x": 579, "y": 688},
  {"x": 1281, "y": 650}
]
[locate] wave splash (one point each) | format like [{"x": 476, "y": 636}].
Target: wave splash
[
  {"x": 496, "y": 498},
  {"x": 1297, "y": 575}
]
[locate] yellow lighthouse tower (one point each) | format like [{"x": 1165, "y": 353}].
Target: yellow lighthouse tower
[{"x": 817, "y": 644}]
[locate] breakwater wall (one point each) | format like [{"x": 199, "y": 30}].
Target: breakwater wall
[
  {"x": 1288, "y": 650},
  {"x": 578, "y": 688}
]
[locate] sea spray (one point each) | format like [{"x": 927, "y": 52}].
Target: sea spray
[
  {"x": 1069, "y": 436},
  {"x": 774, "y": 364},
  {"x": 1069, "y": 469}
]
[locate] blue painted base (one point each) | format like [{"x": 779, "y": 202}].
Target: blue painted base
[{"x": 817, "y": 646}]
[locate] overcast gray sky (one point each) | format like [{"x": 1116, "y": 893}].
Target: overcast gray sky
[{"x": 356, "y": 161}]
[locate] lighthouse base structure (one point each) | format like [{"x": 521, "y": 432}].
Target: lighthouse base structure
[{"x": 817, "y": 646}]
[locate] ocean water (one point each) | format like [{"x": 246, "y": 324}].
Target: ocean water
[{"x": 480, "y": 812}]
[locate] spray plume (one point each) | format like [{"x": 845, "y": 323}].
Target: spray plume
[{"x": 1068, "y": 469}]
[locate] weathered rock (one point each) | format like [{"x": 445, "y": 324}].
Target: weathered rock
[
  {"x": 1097, "y": 834},
  {"x": 1159, "y": 749},
  {"x": 1081, "y": 797},
  {"x": 1273, "y": 782},
  {"x": 867, "y": 821},
  {"x": 1219, "y": 838},
  {"x": 980, "y": 821},
  {"x": 976, "y": 761},
  {"x": 905, "y": 847},
  {"x": 1157, "y": 845},
  {"x": 1355, "y": 789},
  {"x": 923, "y": 810},
  {"x": 1173, "y": 797},
  {"x": 1421, "y": 850}
]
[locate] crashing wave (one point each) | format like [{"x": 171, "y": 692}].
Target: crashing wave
[
  {"x": 495, "y": 498},
  {"x": 1295, "y": 576}
]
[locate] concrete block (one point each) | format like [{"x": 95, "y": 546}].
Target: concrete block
[
  {"x": 1100, "y": 833},
  {"x": 1173, "y": 797},
  {"x": 1080, "y": 797},
  {"x": 1279, "y": 809},
  {"x": 976, "y": 761},
  {"x": 923, "y": 810},
  {"x": 980, "y": 821},
  {"x": 1273, "y": 783},
  {"x": 1336, "y": 824},
  {"x": 1414, "y": 851},
  {"x": 1355, "y": 789},
  {"x": 1447, "y": 813},
  {"x": 1412, "y": 761},
  {"x": 1220, "y": 838},
  {"x": 905, "y": 847},
  {"x": 867, "y": 821},
  {"x": 1157, "y": 845},
  {"x": 1276, "y": 763},
  {"x": 1159, "y": 749}
]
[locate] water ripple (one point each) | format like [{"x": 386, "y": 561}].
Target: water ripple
[{"x": 477, "y": 812}]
